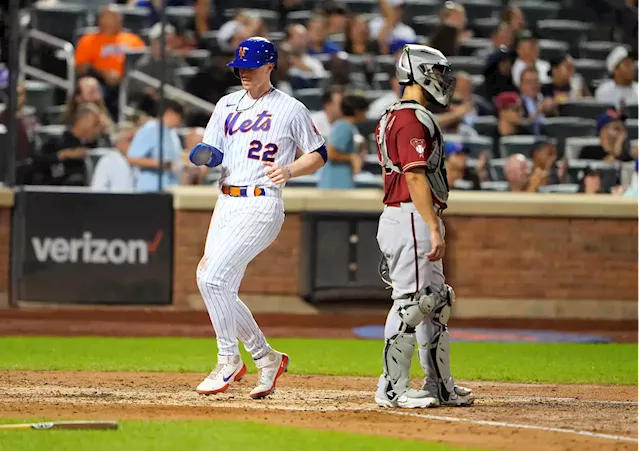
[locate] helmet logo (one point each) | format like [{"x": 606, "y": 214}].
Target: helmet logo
[
  {"x": 242, "y": 51},
  {"x": 420, "y": 145}
]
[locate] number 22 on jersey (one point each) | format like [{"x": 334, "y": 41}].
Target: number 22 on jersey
[{"x": 259, "y": 152}]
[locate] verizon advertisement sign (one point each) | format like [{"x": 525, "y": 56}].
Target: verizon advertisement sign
[{"x": 95, "y": 248}]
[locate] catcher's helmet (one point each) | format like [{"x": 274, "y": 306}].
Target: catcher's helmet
[{"x": 253, "y": 53}]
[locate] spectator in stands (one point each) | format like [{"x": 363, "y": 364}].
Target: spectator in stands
[
  {"x": 151, "y": 64},
  {"x": 591, "y": 182},
  {"x": 509, "y": 108},
  {"x": 559, "y": 90},
  {"x": 144, "y": 153},
  {"x": 452, "y": 30},
  {"x": 502, "y": 35},
  {"x": 26, "y": 125},
  {"x": 497, "y": 74},
  {"x": 317, "y": 28},
  {"x": 102, "y": 54},
  {"x": 337, "y": 16},
  {"x": 544, "y": 156},
  {"x": 246, "y": 23},
  {"x": 514, "y": 17},
  {"x": 534, "y": 104},
  {"x": 302, "y": 65},
  {"x": 87, "y": 92},
  {"x": 344, "y": 159},
  {"x": 463, "y": 113},
  {"x": 613, "y": 140},
  {"x": 113, "y": 171},
  {"x": 621, "y": 90},
  {"x": 61, "y": 161},
  {"x": 517, "y": 171},
  {"x": 389, "y": 29},
  {"x": 331, "y": 111},
  {"x": 357, "y": 40},
  {"x": 379, "y": 105},
  {"x": 458, "y": 170},
  {"x": 287, "y": 6},
  {"x": 528, "y": 51},
  {"x": 191, "y": 174},
  {"x": 280, "y": 75}
]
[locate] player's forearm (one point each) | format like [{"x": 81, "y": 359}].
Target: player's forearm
[
  {"x": 421, "y": 196},
  {"x": 306, "y": 164}
]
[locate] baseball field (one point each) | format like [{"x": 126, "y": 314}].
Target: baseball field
[{"x": 530, "y": 396}]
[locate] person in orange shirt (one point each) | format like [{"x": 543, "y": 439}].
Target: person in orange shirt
[{"x": 103, "y": 53}]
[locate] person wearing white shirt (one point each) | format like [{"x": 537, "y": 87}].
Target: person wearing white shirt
[
  {"x": 390, "y": 23},
  {"x": 113, "y": 172},
  {"x": 528, "y": 51},
  {"x": 621, "y": 88}
]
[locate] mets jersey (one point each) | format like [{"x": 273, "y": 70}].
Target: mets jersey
[{"x": 249, "y": 132}]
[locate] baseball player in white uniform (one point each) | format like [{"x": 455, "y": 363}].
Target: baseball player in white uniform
[{"x": 253, "y": 135}]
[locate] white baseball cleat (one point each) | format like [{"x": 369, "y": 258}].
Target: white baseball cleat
[
  {"x": 229, "y": 369},
  {"x": 270, "y": 368},
  {"x": 405, "y": 401}
]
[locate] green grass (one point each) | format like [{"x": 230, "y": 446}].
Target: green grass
[
  {"x": 205, "y": 436},
  {"x": 517, "y": 362}
]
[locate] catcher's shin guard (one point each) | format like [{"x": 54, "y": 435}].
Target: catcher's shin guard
[{"x": 437, "y": 307}]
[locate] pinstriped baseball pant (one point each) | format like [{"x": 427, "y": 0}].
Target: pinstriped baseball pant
[{"x": 241, "y": 228}]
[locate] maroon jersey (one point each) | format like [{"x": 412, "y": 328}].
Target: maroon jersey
[{"x": 409, "y": 145}]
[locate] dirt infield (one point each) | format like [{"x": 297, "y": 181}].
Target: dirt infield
[
  {"x": 523, "y": 417},
  {"x": 506, "y": 416}
]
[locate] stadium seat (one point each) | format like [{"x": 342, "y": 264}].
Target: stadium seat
[
  {"x": 469, "y": 64},
  {"x": 132, "y": 56},
  {"x": 424, "y": 25},
  {"x": 476, "y": 146},
  {"x": 477, "y": 9},
  {"x": 590, "y": 69},
  {"x": 496, "y": 169},
  {"x": 52, "y": 115},
  {"x": 563, "y": 188},
  {"x": 181, "y": 16},
  {"x": 59, "y": 19},
  {"x": 40, "y": 95},
  {"x": 368, "y": 180},
  {"x": 414, "y": 8},
  {"x": 385, "y": 63},
  {"x": 311, "y": 98},
  {"x": 298, "y": 17},
  {"x": 483, "y": 27},
  {"x": 485, "y": 125},
  {"x": 597, "y": 50},
  {"x": 494, "y": 186},
  {"x": 198, "y": 58},
  {"x": 371, "y": 164},
  {"x": 510, "y": 145},
  {"x": 368, "y": 127},
  {"x": 562, "y": 128},
  {"x": 465, "y": 185},
  {"x": 472, "y": 45},
  {"x": 535, "y": 10},
  {"x": 569, "y": 31},
  {"x": 632, "y": 111},
  {"x": 574, "y": 145},
  {"x": 185, "y": 74},
  {"x": 45, "y": 133},
  {"x": 381, "y": 82},
  {"x": 135, "y": 19},
  {"x": 550, "y": 49},
  {"x": 608, "y": 171},
  {"x": 361, "y": 6},
  {"x": 585, "y": 108},
  {"x": 632, "y": 128}
]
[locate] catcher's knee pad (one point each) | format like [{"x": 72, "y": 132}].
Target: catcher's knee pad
[
  {"x": 397, "y": 356},
  {"x": 437, "y": 308}
]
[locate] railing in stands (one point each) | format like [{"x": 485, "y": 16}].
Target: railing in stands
[
  {"x": 171, "y": 91},
  {"x": 69, "y": 54}
]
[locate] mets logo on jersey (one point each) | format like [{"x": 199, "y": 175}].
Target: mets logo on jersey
[
  {"x": 420, "y": 145},
  {"x": 242, "y": 51}
]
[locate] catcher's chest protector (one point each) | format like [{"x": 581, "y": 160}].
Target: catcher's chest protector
[{"x": 436, "y": 172}]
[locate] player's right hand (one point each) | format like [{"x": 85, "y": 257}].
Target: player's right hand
[
  {"x": 204, "y": 154},
  {"x": 438, "y": 247}
]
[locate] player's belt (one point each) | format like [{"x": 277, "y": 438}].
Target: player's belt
[
  {"x": 439, "y": 209},
  {"x": 241, "y": 191}
]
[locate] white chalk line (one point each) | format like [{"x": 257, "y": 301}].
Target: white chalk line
[{"x": 559, "y": 400}]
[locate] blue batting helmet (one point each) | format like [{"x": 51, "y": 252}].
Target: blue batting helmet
[{"x": 253, "y": 53}]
